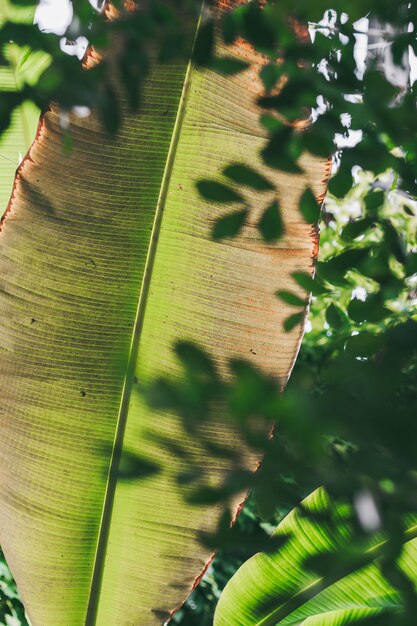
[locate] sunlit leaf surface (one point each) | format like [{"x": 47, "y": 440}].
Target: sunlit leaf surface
[
  {"x": 106, "y": 258},
  {"x": 282, "y": 590}
]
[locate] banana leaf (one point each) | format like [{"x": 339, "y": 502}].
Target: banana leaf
[
  {"x": 20, "y": 66},
  {"x": 106, "y": 259},
  {"x": 282, "y": 589}
]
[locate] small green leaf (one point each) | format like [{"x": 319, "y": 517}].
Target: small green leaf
[
  {"x": 229, "y": 66},
  {"x": 364, "y": 345},
  {"x": 317, "y": 140},
  {"x": 291, "y": 298},
  {"x": 271, "y": 123},
  {"x": 195, "y": 359},
  {"x": 354, "y": 229},
  {"x": 395, "y": 241},
  {"x": 271, "y": 225},
  {"x": 231, "y": 24},
  {"x": 334, "y": 269},
  {"x": 293, "y": 321},
  {"x": 230, "y": 225},
  {"x": 411, "y": 264},
  {"x": 110, "y": 109},
  {"x": 341, "y": 183},
  {"x": 371, "y": 310},
  {"x": 283, "y": 150},
  {"x": 309, "y": 207},
  {"x": 245, "y": 175},
  {"x": 134, "y": 467},
  {"x": 310, "y": 284},
  {"x": 377, "y": 87},
  {"x": 335, "y": 317},
  {"x": 270, "y": 74},
  {"x": 204, "y": 44},
  {"x": 217, "y": 192},
  {"x": 258, "y": 29},
  {"x": 374, "y": 201},
  {"x": 281, "y": 162}
]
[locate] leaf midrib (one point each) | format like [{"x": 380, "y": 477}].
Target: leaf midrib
[{"x": 112, "y": 477}]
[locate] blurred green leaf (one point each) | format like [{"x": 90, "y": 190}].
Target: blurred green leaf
[
  {"x": 228, "y": 65},
  {"x": 271, "y": 225},
  {"x": 134, "y": 467},
  {"x": 271, "y": 123},
  {"x": 341, "y": 182},
  {"x": 195, "y": 359},
  {"x": 283, "y": 150},
  {"x": 292, "y": 321},
  {"x": 245, "y": 175},
  {"x": 335, "y": 317},
  {"x": 270, "y": 74},
  {"x": 230, "y": 225},
  {"x": 371, "y": 310},
  {"x": 291, "y": 298},
  {"x": 363, "y": 345},
  {"x": 217, "y": 192},
  {"x": 309, "y": 207},
  {"x": 374, "y": 201},
  {"x": 204, "y": 43},
  {"x": 310, "y": 284},
  {"x": 411, "y": 264},
  {"x": 356, "y": 228}
]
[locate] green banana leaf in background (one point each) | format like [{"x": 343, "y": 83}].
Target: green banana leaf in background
[
  {"x": 22, "y": 66},
  {"x": 279, "y": 590},
  {"x": 106, "y": 260}
]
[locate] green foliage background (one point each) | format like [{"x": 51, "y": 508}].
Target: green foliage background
[
  {"x": 319, "y": 339},
  {"x": 11, "y": 609}
]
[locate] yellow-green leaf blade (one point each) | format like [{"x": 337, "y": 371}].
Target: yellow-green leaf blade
[{"x": 106, "y": 260}]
